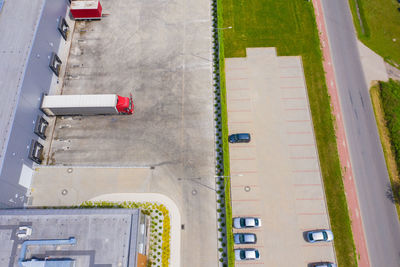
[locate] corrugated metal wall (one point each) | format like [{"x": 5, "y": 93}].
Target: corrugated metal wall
[{"x": 37, "y": 81}]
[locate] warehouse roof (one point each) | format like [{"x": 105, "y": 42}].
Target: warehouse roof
[
  {"x": 18, "y": 23},
  {"x": 103, "y": 237}
]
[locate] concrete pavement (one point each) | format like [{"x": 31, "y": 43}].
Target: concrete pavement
[
  {"x": 66, "y": 186},
  {"x": 276, "y": 176},
  {"x": 358, "y": 142}
]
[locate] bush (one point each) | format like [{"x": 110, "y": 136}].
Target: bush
[{"x": 390, "y": 93}]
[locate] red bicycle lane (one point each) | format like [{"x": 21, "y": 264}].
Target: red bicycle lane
[{"x": 344, "y": 156}]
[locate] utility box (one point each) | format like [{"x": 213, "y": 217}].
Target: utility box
[{"x": 86, "y": 9}]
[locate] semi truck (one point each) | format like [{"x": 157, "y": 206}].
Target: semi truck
[
  {"x": 86, "y": 9},
  {"x": 83, "y": 105}
]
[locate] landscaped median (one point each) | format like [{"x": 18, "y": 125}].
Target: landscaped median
[
  {"x": 290, "y": 26},
  {"x": 385, "y": 97}
]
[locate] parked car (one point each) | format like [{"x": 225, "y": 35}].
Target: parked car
[
  {"x": 245, "y": 238},
  {"x": 323, "y": 264},
  {"x": 245, "y": 254},
  {"x": 239, "y": 138},
  {"x": 246, "y": 222},
  {"x": 319, "y": 236}
]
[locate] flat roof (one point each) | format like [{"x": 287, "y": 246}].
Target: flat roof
[
  {"x": 103, "y": 236},
  {"x": 18, "y": 22}
]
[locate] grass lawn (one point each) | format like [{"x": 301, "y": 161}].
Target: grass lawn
[
  {"x": 381, "y": 24},
  {"x": 290, "y": 26}
]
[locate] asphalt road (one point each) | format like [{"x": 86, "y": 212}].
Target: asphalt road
[{"x": 378, "y": 213}]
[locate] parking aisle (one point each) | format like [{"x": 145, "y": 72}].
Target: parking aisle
[{"x": 276, "y": 176}]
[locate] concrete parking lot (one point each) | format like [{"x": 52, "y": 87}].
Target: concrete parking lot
[
  {"x": 160, "y": 51},
  {"x": 276, "y": 176}
]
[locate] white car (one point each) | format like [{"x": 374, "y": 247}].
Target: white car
[
  {"x": 319, "y": 236},
  {"x": 244, "y": 238},
  {"x": 246, "y": 222},
  {"x": 245, "y": 254}
]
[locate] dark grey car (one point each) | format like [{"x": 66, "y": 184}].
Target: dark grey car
[{"x": 239, "y": 138}]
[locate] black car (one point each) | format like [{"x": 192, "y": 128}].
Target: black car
[{"x": 239, "y": 138}]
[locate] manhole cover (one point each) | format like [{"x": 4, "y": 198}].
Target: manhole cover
[
  {"x": 194, "y": 192},
  {"x": 64, "y": 192},
  {"x": 70, "y": 170},
  {"x": 247, "y": 188}
]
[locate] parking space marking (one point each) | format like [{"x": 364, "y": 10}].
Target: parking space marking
[
  {"x": 292, "y": 98},
  {"x": 239, "y": 89},
  {"x": 295, "y": 109},
  {"x": 311, "y": 213},
  {"x": 244, "y": 200},
  {"x": 248, "y": 263},
  {"x": 300, "y": 158},
  {"x": 240, "y": 110},
  {"x": 250, "y": 185},
  {"x": 239, "y": 122},
  {"x": 291, "y": 87},
  {"x": 317, "y": 245},
  {"x": 237, "y": 79},
  {"x": 309, "y": 199},
  {"x": 244, "y": 146},
  {"x": 240, "y": 172},
  {"x": 298, "y": 132},
  {"x": 307, "y": 184},
  {"x": 296, "y": 171},
  {"x": 233, "y": 69},
  {"x": 239, "y": 99},
  {"x": 245, "y": 159},
  {"x": 297, "y": 121},
  {"x": 300, "y": 144}
]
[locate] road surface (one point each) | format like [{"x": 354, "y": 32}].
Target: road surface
[{"x": 378, "y": 213}]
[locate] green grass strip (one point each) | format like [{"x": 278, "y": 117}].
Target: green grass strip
[
  {"x": 359, "y": 20},
  {"x": 380, "y": 19},
  {"x": 225, "y": 144},
  {"x": 290, "y": 26}
]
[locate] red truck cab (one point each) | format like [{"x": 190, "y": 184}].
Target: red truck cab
[{"x": 125, "y": 105}]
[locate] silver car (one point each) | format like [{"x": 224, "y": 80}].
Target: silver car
[
  {"x": 246, "y": 222},
  {"x": 319, "y": 236},
  {"x": 245, "y": 254},
  {"x": 244, "y": 238}
]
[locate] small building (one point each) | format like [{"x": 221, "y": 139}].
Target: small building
[{"x": 73, "y": 237}]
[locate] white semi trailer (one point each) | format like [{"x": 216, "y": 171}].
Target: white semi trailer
[{"x": 110, "y": 104}]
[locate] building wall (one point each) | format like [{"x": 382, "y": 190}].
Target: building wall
[{"x": 37, "y": 80}]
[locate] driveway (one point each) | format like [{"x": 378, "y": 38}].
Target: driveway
[{"x": 160, "y": 51}]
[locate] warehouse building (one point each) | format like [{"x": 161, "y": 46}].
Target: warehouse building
[
  {"x": 33, "y": 48},
  {"x": 73, "y": 237}
]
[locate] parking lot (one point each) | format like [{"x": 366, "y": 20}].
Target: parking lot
[
  {"x": 160, "y": 51},
  {"x": 276, "y": 176}
]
